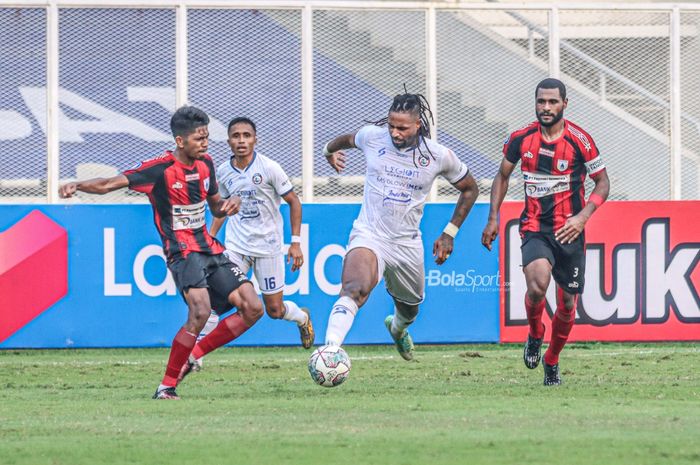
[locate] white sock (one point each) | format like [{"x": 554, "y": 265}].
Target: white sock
[
  {"x": 294, "y": 313},
  {"x": 340, "y": 320},
  {"x": 209, "y": 326},
  {"x": 400, "y": 323}
]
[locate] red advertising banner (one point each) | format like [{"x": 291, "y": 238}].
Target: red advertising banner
[{"x": 642, "y": 278}]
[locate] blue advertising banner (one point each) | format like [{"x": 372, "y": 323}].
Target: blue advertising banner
[{"x": 95, "y": 276}]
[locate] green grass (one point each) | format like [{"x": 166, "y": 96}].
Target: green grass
[{"x": 621, "y": 403}]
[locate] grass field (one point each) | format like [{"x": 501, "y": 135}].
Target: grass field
[{"x": 476, "y": 404}]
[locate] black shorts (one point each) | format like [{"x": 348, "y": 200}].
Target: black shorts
[
  {"x": 215, "y": 272},
  {"x": 568, "y": 260}
]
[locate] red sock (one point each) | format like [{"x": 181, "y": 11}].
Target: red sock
[
  {"x": 534, "y": 317},
  {"x": 562, "y": 323},
  {"x": 180, "y": 350},
  {"x": 226, "y": 331}
]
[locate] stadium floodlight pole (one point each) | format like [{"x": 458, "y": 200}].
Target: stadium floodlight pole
[
  {"x": 181, "y": 72},
  {"x": 307, "y": 105},
  {"x": 52, "y": 108},
  {"x": 676, "y": 143},
  {"x": 554, "y": 56},
  {"x": 431, "y": 78}
]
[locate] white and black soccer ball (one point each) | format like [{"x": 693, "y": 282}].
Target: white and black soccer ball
[{"x": 329, "y": 366}]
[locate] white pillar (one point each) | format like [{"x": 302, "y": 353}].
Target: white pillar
[
  {"x": 52, "y": 129},
  {"x": 181, "y": 72},
  {"x": 554, "y": 48},
  {"x": 431, "y": 80},
  {"x": 676, "y": 147},
  {"x": 307, "y": 105}
]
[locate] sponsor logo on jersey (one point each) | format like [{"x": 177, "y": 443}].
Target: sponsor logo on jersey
[
  {"x": 546, "y": 152},
  {"x": 177, "y": 185},
  {"x": 188, "y": 216},
  {"x": 192, "y": 177},
  {"x": 562, "y": 165},
  {"x": 257, "y": 178},
  {"x": 542, "y": 185},
  {"x": 528, "y": 155}
]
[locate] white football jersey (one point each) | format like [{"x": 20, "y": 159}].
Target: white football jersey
[
  {"x": 256, "y": 230},
  {"x": 398, "y": 182}
]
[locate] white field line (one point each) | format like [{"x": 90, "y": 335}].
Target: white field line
[{"x": 263, "y": 360}]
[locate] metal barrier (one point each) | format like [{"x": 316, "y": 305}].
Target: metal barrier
[{"x": 86, "y": 88}]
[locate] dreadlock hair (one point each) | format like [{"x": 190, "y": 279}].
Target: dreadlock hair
[{"x": 418, "y": 105}]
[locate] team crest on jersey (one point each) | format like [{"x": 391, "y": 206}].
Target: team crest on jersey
[
  {"x": 562, "y": 165},
  {"x": 423, "y": 160},
  {"x": 257, "y": 178}
]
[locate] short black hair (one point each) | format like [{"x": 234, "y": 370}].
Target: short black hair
[
  {"x": 241, "y": 119},
  {"x": 551, "y": 83},
  {"x": 186, "y": 120}
]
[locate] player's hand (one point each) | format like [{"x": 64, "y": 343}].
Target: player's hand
[
  {"x": 442, "y": 248},
  {"x": 66, "y": 191},
  {"x": 571, "y": 229},
  {"x": 489, "y": 234},
  {"x": 295, "y": 256},
  {"x": 230, "y": 206},
  {"x": 337, "y": 161}
]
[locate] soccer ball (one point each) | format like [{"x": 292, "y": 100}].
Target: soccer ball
[{"x": 329, "y": 366}]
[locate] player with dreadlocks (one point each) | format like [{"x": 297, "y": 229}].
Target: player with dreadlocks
[{"x": 402, "y": 164}]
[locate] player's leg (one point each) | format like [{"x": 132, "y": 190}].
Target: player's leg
[
  {"x": 269, "y": 271},
  {"x": 404, "y": 276},
  {"x": 569, "y": 273},
  {"x": 244, "y": 263},
  {"x": 191, "y": 279},
  {"x": 231, "y": 289},
  {"x": 537, "y": 258},
  {"x": 359, "y": 276}
]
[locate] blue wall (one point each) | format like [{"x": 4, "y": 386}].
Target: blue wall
[{"x": 462, "y": 301}]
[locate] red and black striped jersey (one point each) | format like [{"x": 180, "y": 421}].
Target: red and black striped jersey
[
  {"x": 553, "y": 173},
  {"x": 178, "y": 195}
]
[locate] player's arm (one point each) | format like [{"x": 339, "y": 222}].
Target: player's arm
[
  {"x": 469, "y": 191},
  {"x": 99, "y": 186},
  {"x": 574, "y": 225},
  {"x": 499, "y": 188},
  {"x": 333, "y": 150},
  {"x": 294, "y": 254},
  {"x": 216, "y": 225},
  {"x": 222, "y": 208}
]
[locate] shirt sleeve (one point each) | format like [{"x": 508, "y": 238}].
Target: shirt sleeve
[
  {"x": 213, "y": 185},
  {"x": 279, "y": 180},
  {"x": 592, "y": 160},
  {"x": 143, "y": 176},
  {"x": 452, "y": 167},
  {"x": 511, "y": 148},
  {"x": 362, "y": 135},
  {"x": 223, "y": 190}
]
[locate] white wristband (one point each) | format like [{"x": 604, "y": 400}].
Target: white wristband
[
  {"x": 296, "y": 239},
  {"x": 451, "y": 230},
  {"x": 325, "y": 150}
]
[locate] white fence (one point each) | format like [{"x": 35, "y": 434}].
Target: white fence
[{"x": 86, "y": 89}]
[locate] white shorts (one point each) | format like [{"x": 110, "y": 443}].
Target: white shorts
[
  {"x": 268, "y": 271},
  {"x": 401, "y": 266}
]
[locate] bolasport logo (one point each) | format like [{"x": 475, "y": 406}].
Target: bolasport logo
[{"x": 465, "y": 281}]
